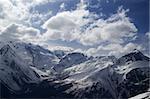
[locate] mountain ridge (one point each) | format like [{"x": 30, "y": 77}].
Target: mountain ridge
[{"x": 79, "y": 77}]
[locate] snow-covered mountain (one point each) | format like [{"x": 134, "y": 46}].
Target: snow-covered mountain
[
  {"x": 14, "y": 72},
  {"x": 34, "y": 55},
  {"x": 145, "y": 95},
  {"x": 126, "y": 77},
  {"x": 71, "y": 74},
  {"x": 70, "y": 60},
  {"x": 133, "y": 56},
  {"x": 92, "y": 65}
]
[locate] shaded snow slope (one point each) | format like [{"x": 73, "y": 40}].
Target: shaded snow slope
[
  {"x": 69, "y": 60},
  {"x": 87, "y": 68},
  {"x": 34, "y": 55},
  {"x": 14, "y": 72},
  {"x": 145, "y": 95},
  {"x": 113, "y": 77}
]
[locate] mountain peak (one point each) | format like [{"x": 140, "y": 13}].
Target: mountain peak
[
  {"x": 70, "y": 60},
  {"x": 135, "y": 55},
  {"x": 136, "y": 51}
]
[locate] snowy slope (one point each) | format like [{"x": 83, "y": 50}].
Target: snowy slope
[
  {"x": 69, "y": 60},
  {"x": 145, "y": 95},
  {"x": 84, "y": 69},
  {"x": 89, "y": 73},
  {"x": 34, "y": 55},
  {"x": 41, "y": 58},
  {"x": 14, "y": 72},
  {"x": 113, "y": 77}
]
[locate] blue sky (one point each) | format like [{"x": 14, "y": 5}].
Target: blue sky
[{"x": 96, "y": 27}]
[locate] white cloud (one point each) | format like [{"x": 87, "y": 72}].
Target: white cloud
[
  {"x": 66, "y": 25},
  {"x": 64, "y": 48},
  {"x": 126, "y": 49},
  {"x": 16, "y": 20},
  {"x": 13, "y": 11},
  {"x": 74, "y": 25},
  {"x": 114, "y": 29},
  {"x": 17, "y": 11},
  {"x": 17, "y": 32},
  {"x": 114, "y": 49}
]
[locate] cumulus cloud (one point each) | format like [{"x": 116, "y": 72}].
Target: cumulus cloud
[
  {"x": 114, "y": 49},
  {"x": 12, "y": 11},
  {"x": 80, "y": 25},
  {"x": 114, "y": 29},
  {"x": 66, "y": 25},
  {"x": 17, "y": 11},
  {"x": 16, "y": 20},
  {"x": 17, "y": 32}
]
